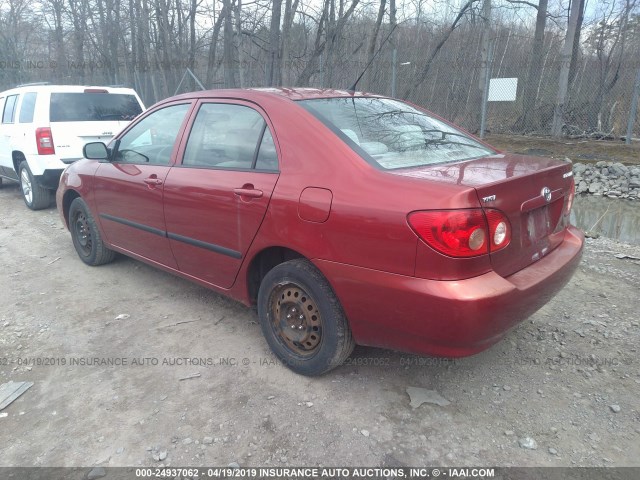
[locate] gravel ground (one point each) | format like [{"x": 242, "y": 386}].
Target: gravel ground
[{"x": 132, "y": 366}]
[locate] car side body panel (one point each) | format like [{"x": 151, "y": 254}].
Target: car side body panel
[{"x": 397, "y": 291}]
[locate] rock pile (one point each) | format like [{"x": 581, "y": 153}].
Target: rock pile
[{"x": 609, "y": 179}]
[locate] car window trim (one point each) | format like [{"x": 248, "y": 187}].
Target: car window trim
[{"x": 258, "y": 145}]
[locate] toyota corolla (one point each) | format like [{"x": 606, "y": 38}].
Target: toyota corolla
[{"x": 346, "y": 218}]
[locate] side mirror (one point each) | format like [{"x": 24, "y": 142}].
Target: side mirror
[{"x": 95, "y": 151}]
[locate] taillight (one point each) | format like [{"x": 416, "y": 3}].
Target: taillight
[
  {"x": 568, "y": 201},
  {"x": 462, "y": 233},
  {"x": 44, "y": 141},
  {"x": 499, "y": 230}
]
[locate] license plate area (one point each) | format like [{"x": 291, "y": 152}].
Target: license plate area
[{"x": 538, "y": 224}]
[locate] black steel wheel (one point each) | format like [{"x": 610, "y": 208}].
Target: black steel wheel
[
  {"x": 86, "y": 236},
  {"x": 302, "y": 319}
]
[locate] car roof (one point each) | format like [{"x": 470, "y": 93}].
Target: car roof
[
  {"x": 38, "y": 87},
  {"x": 255, "y": 94}
]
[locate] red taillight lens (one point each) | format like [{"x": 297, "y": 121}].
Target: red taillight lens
[
  {"x": 499, "y": 230},
  {"x": 44, "y": 141},
  {"x": 462, "y": 233},
  {"x": 568, "y": 202}
]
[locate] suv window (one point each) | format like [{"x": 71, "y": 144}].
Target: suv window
[
  {"x": 151, "y": 140},
  {"x": 9, "y": 109},
  {"x": 27, "y": 107},
  {"x": 93, "y": 107},
  {"x": 227, "y": 136}
]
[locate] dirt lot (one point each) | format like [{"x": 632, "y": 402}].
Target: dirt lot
[
  {"x": 578, "y": 150},
  {"x": 568, "y": 378}
]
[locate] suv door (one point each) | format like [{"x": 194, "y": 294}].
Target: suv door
[
  {"x": 128, "y": 189},
  {"x": 7, "y": 130},
  {"x": 217, "y": 197}
]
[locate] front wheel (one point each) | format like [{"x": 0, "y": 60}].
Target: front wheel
[
  {"x": 86, "y": 236},
  {"x": 302, "y": 319},
  {"x": 34, "y": 195}
]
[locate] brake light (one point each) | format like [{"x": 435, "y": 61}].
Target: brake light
[
  {"x": 499, "y": 229},
  {"x": 568, "y": 203},
  {"x": 44, "y": 141},
  {"x": 462, "y": 233},
  {"x": 95, "y": 90}
]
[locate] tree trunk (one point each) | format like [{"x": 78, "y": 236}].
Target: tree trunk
[
  {"x": 530, "y": 88},
  {"x": 565, "y": 60},
  {"x": 211, "y": 60},
  {"x": 371, "y": 50},
  {"x": 230, "y": 64},
  {"x": 289, "y": 14},
  {"x": 274, "y": 68}
]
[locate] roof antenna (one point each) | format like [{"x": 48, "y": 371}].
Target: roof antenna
[{"x": 353, "y": 87}]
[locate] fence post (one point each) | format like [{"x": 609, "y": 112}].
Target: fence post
[
  {"x": 634, "y": 108},
  {"x": 485, "y": 91}
]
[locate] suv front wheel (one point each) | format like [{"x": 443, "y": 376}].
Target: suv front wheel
[{"x": 34, "y": 196}]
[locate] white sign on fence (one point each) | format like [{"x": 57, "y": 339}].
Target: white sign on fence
[{"x": 503, "y": 89}]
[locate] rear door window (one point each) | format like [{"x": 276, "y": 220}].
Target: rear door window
[
  {"x": 230, "y": 136},
  {"x": 93, "y": 107},
  {"x": 27, "y": 107},
  {"x": 9, "y": 109}
]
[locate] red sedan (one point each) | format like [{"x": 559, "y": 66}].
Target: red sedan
[{"x": 346, "y": 217}]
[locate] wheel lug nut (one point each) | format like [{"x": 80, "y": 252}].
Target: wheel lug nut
[
  {"x": 300, "y": 327},
  {"x": 301, "y": 317},
  {"x": 293, "y": 326},
  {"x": 289, "y": 316}
]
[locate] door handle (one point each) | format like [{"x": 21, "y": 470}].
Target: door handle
[
  {"x": 248, "y": 191},
  {"x": 152, "y": 180}
]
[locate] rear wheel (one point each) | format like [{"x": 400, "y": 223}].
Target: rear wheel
[
  {"x": 302, "y": 319},
  {"x": 86, "y": 236},
  {"x": 35, "y": 196}
]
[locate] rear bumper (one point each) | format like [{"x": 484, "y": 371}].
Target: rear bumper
[{"x": 448, "y": 318}]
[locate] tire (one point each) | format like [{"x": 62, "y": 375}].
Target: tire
[
  {"x": 35, "y": 196},
  {"x": 86, "y": 236},
  {"x": 302, "y": 319}
]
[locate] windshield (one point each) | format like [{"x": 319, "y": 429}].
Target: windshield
[
  {"x": 93, "y": 107},
  {"x": 392, "y": 134}
]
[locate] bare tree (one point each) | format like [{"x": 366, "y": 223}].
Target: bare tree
[
  {"x": 526, "y": 122},
  {"x": 422, "y": 75},
  {"x": 565, "y": 59}
]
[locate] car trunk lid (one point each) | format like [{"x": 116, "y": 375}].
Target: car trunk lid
[{"x": 530, "y": 191}]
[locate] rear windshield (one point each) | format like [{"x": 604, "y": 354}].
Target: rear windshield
[
  {"x": 93, "y": 107},
  {"x": 391, "y": 134}
]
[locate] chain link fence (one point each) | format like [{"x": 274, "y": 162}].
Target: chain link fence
[{"x": 600, "y": 103}]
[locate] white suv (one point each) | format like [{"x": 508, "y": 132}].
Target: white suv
[{"x": 44, "y": 127}]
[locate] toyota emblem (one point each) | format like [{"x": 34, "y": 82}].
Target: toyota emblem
[{"x": 546, "y": 193}]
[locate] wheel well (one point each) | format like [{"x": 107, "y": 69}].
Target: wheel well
[
  {"x": 262, "y": 263},
  {"x": 17, "y": 158},
  {"x": 69, "y": 196}
]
